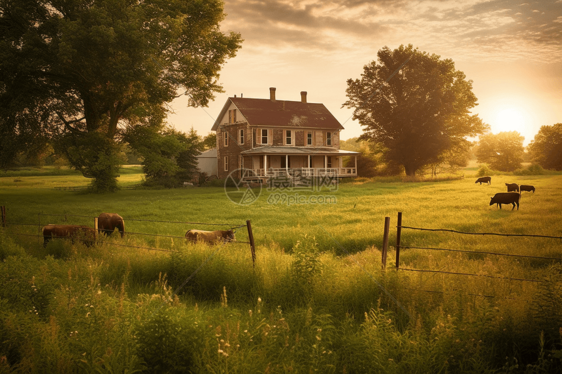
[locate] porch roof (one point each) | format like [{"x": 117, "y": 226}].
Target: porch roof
[{"x": 302, "y": 151}]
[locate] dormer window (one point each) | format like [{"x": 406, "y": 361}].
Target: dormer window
[
  {"x": 288, "y": 137},
  {"x": 328, "y": 138}
]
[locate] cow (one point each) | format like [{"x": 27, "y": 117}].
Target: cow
[
  {"x": 526, "y": 187},
  {"x": 512, "y": 187},
  {"x": 210, "y": 237},
  {"x": 484, "y": 180},
  {"x": 85, "y": 233},
  {"x": 108, "y": 222},
  {"x": 506, "y": 198}
]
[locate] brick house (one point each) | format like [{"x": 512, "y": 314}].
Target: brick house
[{"x": 276, "y": 137}]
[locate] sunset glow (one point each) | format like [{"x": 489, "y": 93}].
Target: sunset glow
[{"x": 510, "y": 119}]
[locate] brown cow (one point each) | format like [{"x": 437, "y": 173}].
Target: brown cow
[
  {"x": 210, "y": 237},
  {"x": 86, "y": 234},
  {"x": 526, "y": 187},
  {"x": 107, "y": 222},
  {"x": 481, "y": 180},
  {"x": 512, "y": 187},
  {"x": 506, "y": 198}
]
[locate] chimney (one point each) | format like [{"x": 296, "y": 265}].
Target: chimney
[
  {"x": 303, "y": 96},
  {"x": 234, "y": 96},
  {"x": 272, "y": 93},
  {"x": 241, "y": 95}
]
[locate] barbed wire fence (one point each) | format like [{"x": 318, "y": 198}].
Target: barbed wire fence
[
  {"x": 400, "y": 246},
  {"x": 98, "y": 239}
]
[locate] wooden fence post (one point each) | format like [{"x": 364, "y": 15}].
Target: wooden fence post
[
  {"x": 95, "y": 229},
  {"x": 385, "y": 241},
  {"x": 398, "y": 233},
  {"x": 252, "y": 246},
  {"x": 3, "y": 209}
]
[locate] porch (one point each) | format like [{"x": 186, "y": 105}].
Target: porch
[{"x": 268, "y": 161}]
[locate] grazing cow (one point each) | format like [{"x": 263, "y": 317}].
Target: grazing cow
[
  {"x": 506, "y": 198},
  {"x": 512, "y": 187},
  {"x": 107, "y": 222},
  {"x": 210, "y": 236},
  {"x": 526, "y": 187},
  {"x": 85, "y": 233},
  {"x": 484, "y": 180}
]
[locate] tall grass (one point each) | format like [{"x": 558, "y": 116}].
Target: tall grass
[{"x": 316, "y": 300}]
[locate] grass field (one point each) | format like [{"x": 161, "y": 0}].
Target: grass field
[{"x": 317, "y": 299}]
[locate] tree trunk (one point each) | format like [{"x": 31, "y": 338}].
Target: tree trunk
[{"x": 410, "y": 170}]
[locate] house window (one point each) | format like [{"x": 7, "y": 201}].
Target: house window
[
  {"x": 329, "y": 162},
  {"x": 264, "y": 136},
  {"x": 308, "y": 138},
  {"x": 328, "y": 138},
  {"x": 288, "y": 137},
  {"x": 232, "y": 116},
  {"x": 225, "y": 134},
  {"x": 225, "y": 163},
  {"x": 241, "y": 136}
]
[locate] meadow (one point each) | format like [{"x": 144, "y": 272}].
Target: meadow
[{"x": 317, "y": 299}]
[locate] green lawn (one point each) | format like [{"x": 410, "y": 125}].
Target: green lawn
[{"x": 317, "y": 298}]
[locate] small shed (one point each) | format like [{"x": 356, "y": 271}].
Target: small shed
[{"x": 207, "y": 162}]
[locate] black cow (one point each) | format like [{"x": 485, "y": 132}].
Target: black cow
[
  {"x": 526, "y": 187},
  {"x": 506, "y": 198},
  {"x": 512, "y": 187},
  {"x": 484, "y": 180}
]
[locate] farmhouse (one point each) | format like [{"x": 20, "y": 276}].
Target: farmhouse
[{"x": 278, "y": 138}]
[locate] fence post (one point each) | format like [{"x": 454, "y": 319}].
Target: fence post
[
  {"x": 385, "y": 241},
  {"x": 3, "y": 208},
  {"x": 95, "y": 229},
  {"x": 398, "y": 232},
  {"x": 252, "y": 246}
]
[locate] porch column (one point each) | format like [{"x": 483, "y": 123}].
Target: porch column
[
  {"x": 355, "y": 165},
  {"x": 341, "y": 161},
  {"x": 265, "y": 164},
  {"x": 287, "y": 163},
  {"x": 325, "y": 162}
]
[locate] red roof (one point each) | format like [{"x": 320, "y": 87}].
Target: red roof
[{"x": 279, "y": 113}]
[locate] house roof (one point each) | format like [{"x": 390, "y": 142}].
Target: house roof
[
  {"x": 303, "y": 151},
  {"x": 281, "y": 113}
]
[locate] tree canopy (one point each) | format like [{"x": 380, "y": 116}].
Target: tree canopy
[
  {"x": 415, "y": 104},
  {"x": 81, "y": 71},
  {"x": 546, "y": 147},
  {"x": 502, "y": 151}
]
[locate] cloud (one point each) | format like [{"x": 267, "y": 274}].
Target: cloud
[{"x": 496, "y": 28}]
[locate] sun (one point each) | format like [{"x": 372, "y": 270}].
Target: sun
[{"x": 510, "y": 119}]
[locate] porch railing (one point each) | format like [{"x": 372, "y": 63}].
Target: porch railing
[{"x": 305, "y": 172}]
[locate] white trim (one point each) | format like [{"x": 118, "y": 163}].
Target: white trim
[{"x": 225, "y": 132}]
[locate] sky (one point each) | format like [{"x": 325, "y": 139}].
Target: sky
[{"x": 511, "y": 50}]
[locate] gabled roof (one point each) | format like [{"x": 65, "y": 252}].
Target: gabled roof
[{"x": 280, "y": 113}]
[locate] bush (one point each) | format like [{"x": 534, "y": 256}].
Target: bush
[
  {"x": 534, "y": 169},
  {"x": 8, "y": 247}
]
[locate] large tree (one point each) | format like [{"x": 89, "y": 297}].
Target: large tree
[
  {"x": 415, "y": 104},
  {"x": 546, "y": 148},
  {"x": 81, "y": 70},
  {"x": 503, "y": 151}
]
